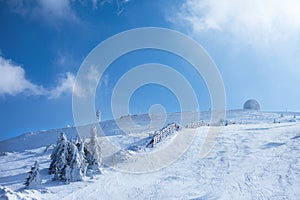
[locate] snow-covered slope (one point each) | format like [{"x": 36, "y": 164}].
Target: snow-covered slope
[
  {"x": 38, "y": 139},
  {"x": 254, "y": 158}
]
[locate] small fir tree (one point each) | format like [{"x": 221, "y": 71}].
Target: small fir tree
[
  {"x": 79, "y": 142},
  {"x": 75, "y": 164},
  {"x": 59, "y": 158},
  {"x": 93, "y": 153},
  {"x": 34, "y": 181}
]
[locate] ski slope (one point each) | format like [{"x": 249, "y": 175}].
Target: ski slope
[{"x": 254, "y": 158}]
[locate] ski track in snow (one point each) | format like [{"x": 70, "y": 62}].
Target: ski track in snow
[{"x": 249, "y": 161}]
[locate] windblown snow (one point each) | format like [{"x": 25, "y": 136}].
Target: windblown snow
[{"x": 256, "y": 156}]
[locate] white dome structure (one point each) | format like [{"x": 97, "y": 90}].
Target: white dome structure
[{"x": 251, "y": 104}]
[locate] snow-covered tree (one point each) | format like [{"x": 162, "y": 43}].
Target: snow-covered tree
[
  {"x": 98, "y": 115},
  {"x": 75, "y": 163},
  {"x": 67, "y": 163},
  {"x": 34, "y": 181},
  {"x": 59, "y": 157},
  {"x": 79, "y": 142},
  {"x": 93, "y": 153}
]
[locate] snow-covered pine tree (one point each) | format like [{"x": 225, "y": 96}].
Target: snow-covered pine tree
[
  {"x": 93, "y": 153},
  {"x": 79, "y": 142},
  {"x": 59, "y": 157},
  {"x": 75, "y": 163},
  {"x": 67, "y": 164},
  {"x": 34, "y": 181},
  {"x": 98, "y": 115}
]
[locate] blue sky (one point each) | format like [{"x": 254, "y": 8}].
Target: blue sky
[{"x": 255, "y": 45}]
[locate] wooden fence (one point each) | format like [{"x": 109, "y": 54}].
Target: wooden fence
[{"x": 163, "y": 133}]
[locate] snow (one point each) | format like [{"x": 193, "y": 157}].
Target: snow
[{"x": 254, "y": 158}]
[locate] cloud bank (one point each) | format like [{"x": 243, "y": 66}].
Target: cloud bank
[
  {"x": 258, "y": 23},
  {"x": 254, "y": 42},
  {"x": 14, "y": 82}
]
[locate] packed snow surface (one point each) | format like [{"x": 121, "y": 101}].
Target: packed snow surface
[{"x": 256, "y": 157}]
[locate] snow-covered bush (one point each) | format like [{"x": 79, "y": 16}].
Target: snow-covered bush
[
  {"x": 34, "y": 181},
  {"x": 93, "y": 153}
]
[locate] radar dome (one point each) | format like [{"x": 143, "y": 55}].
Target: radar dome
[{"x": 251, "y": 104}]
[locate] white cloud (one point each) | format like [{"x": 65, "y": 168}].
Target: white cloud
[
  {"x": 85, "y": 85},
  {"x": 258, "y": 23},
  {"x": 54, "y": 12},
  {"x": 14, "y": 82},
  {"x": 65, "y": 85}
]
